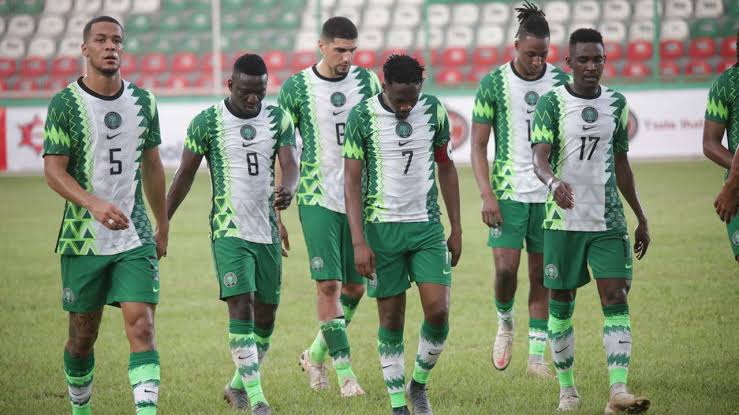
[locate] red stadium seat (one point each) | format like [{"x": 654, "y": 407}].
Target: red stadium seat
[
  {"x": 365, "y": 58},
  {"x": 56, "y": 83},
  {"x": 303, "y": 59},
  {"x": 33, "y": 66},
  {"x": 509, "y": 53},
  {"x": 147, "y": 81},
  {"x": 475, "y": 75},
  {"x": 129, "y": 64},
  {"x": 614, "y": 51},
  {"x": 698, "y": 68},
  {"x": 177, "y": 81},
  {"x": 436, "y": 56},
  {"x": 702, "y": 47},
  {"x": 609, "y": 71},
  {"x": 671, "y": 49},
  {"x": 154, "y": 63},
  {"x": 728, "y": 47},
  {"x": 27, "y": 84},
  {"x": 7, "y": 67},
  {"x": 185, "y": 62},
  {"x": 725, "y": 64},
  {"x": 3, "y": 85},
  {"x": 208, "y": 63},
  {"x": 485, "y": 56},
  {"x": 553, "y": 55},
  {"x": 454, "y": 57},
  {"x": 636, "y": 70},
  {"x": 639, "y": 50},
  {"x": 65, "y": 65},
  {"x": 669, "y": 69},
  {"x": 274, "y": 82},
  {"x": 449, "y": 77},
  {"x": 275, "y": 61}
]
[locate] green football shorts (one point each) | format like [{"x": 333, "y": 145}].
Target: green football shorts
[
  {"x": 405, "y": 252},
  {"x": 329, "y": 244},
  {"x": 733, "y": 229},
  {"x": 244, "y": 267},
  {"x": 567, "y": 255},
  {"x": 91, "y": 281},
  {"x": 521, "y": 222}
]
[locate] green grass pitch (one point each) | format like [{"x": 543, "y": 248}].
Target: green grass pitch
[{"x": 684, "y": 305}]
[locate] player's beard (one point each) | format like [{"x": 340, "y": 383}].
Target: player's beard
[
  {"x": 106, "y": 72},
  {"x": 339, "y": 71}
]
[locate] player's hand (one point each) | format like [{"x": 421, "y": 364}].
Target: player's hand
[
  {"x": 364, "y": 260},
  {"x": 490, "y": 210},
  {"x": 283, "y": 197},
  {"x": 109, "y": 215},
  {"x": 641, "y": 240},
  {"x": 161, "y": 237},
  {"x": 562, "y": 194},
  {"x": 726, "y": 204},
  {"x": 454, "y": 244},
  {"x": 284, "y": 239}
]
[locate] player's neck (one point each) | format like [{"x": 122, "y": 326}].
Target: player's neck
[
  {"x": 586, "y": 92},
  {"x": 520, "y": 71},
  {"x": 325, "y": 71},
  {"x": 102, "y": 84}
]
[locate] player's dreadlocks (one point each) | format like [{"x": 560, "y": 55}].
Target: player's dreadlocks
[
  {"x": 340, "y": 27},
  {"x": 585, "y": 36},
  {"x": 402, "y": 69},
  {"x": 250, "y": 64},
  {"x": 531, "y": 21}
]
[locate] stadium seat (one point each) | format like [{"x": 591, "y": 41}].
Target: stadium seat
[
  {"x": 175, "y": 5},
  {"x": 374, "y": 38},
  {"x": 639, "y": 50},
  {"x": 149, "y": 82},
  {"x": 671, "y": 49},
  {"x": 644, "y": 9},
  {"x": 351, "y": 13},
  {"x": 729, "y": 27},
  {"x": 116, "y": 6},
  {"x": 406, "y": 16},
  {"x": 21, "y": 26},
  {"x": 641, "y": 30},
  {"x": 704, "y": 28},
  {"x": 676, "y": 29},
  {"x": 709, "y": 8},
  {"x": 454, "y": 56},
  {"x": 557, "y": 11},
  {"x": 199, "y": 22},
  {"x": 613, "y": 31},
  {"x": 184, "y": 62},
  {"x": 306, "y": 41},
  {"x": 89, "y": 7},
  {"x": 169, "y": 22},
  {"x": 417, "y": 54},
  {"x": 70, "y": 46},
  {"x": 33, "y": 66},
  {"x": 365, "y": 58},
  {"x": 669, "y": 69},
  {"x": 50, "y": 25},
  {"x": 275, "y": 60},
  {"x": 58, "y": 7},
  {"x": 490, "y": 35},
  {"x": 733, "y": 9},
  {"x": 55, "y": 84},
  {"x": 41, "y": 47},
  {"x": 704, "y": 47},
  {"x": 288, "y": 20},
  {"x": 679, "y": 8},
  {"x": 2, "y": 24},
  {"x": 616, "y": 10},
  {"x": 636, "y": 70},
  {"x": 302, "y": 60},
  {"x": 459, "y": 36},
  {"x": 76, "y": 24},
  {"x": 554, "y": 54},
  {"x": 207, "y": 62},
  {"x": 32, "y": 7},
  {"x": 465, "y": 14},
  {"x": 476, "y": 73},
  {"x": 375, "y": 17},
  {"x": 399, "y": 38},
  {"x": 698, "y": 68},
  {"x": 509, "y": 53},
  {"x": 352, "y": 3},
  {"x": 728, "y": 47},
  {"x": 154, "y": 63},
  {"x": 725, "y": 64},
  {"x": 7, "y": 66},
  {"x": 449, "y": 77},
  {"x": 385, "y": 3},
  {"x": 438, "y": 15},
  {"x": 485, "y": 56},
  {"x": 557, "y": 34},
  {"x": 586, "y": 11},
  {"x": 614, "y": 51},
  {"x": 495, "y": 13},
  {"x": 177, "y": 81},
  {"x": 129, "y": 64},
  {"x": 609, "y": 70},
  {"x": 435, "y": 38},
  {"x": 12, "y": 47},
  {"x": 578, "y": 25},
  {"x": 139, "y": 23},
  {"x": 26, "y": 85},
  {"x": 145, "y": 6},
  {"x": 65, "y": 66}
]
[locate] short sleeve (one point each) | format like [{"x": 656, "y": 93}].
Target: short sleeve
[
  {"x": 483, "y": 110},
  {"x": 621, "y": 135},
  {"x": 287, "y": 100},
  {"x": 546, "y": 120},
  {"x": 719, "y": 101},
  {"x": 354, "y": 134},
  {"x": 285, "y": 135},
  {"x": 441, "y": 136},
  {"x": 153, "y": 136},
  {"x": 57, "y": 137},
  {"x": 198, "y": 134}
]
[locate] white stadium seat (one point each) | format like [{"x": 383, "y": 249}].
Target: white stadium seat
[
  {"x": 435, "y": 38},
  {"x": 70, "y": 46},
  {"x": 145, "y": 6},
  {"x": 2, "y": 24},
  {"x": 581, "y": 25},
  {"x": 58, "y": 6},
  {"x": 399, "y": 39},
  {"x": 674, "y": 29},
  {"x": 495, "y": 13},
  {"x": 91, "y": 7},
  {"x": 370, "y": 39},
  {"x": 644, "y": 9},
  {"x": 21, "y": 25},
  {"x": 490, "y": 36},
  {"x": 616, "y": 10},
  {"x": 12, "y": 47},
  {"x": 586, "y": 11},
  {"x": 709, "y": 8},
  {"x": 557, "y": 11},
  {"x": 51, "y": 25},
  {"x": 465, "y": 14},
  {"x": 557, "y": 34},
  {"x": 438, "y": 14},
  {"x": 351, "y": 3},
  {"x": 376, "y": 17},
  {"x": 383, "y": 3},
  {"x": 406, "y": 16},
  {"x": 350, "y": 13},
  {"x": 77, "y": 23},
  {"x": 116, "y": 6},
  {"x": 42, "y": 47},
  {"x": 459, "y": 36},
  {"x": 306, "y": 41},
  {"x": 679, "y": 8},
  {"x": 613, "y": 31},
  {"x": 641, "y": 30}
]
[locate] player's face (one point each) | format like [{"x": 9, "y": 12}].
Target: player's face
[
  {"x": 586, "y": 61},
  {"x": 402, "y": 97},
  {"x": 103, "y": 48},
  {"x": 531, "y": 54},
  {"x": 338, "y": 54},
  {"x": 247, "y": 92}
]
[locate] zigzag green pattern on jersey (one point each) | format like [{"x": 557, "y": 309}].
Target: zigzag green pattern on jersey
[
  {"x": 554, "y": 214},
  {"x": 368, "y": 81},
  {"x": 561, "y": 77},
  {"x": 501, "y": 175},
  {"x": 309, "y": 191},
  {"x": 56, "y": 117},
  {"x": 146, "y": 103},
  {"x": 614, "y": 215},
  {"x": 223, "y": 211},
  {"x": 731, "y": 91},
  {"x": 279, "y": 123},
  {"x": 374, "y": 204},
  {"x": 438, "y": 119}
]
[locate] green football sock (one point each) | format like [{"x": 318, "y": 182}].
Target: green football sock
[
  {"x": 245, "y": 357},
  {"x": 617, "y": 342},
  {"x": 430, "y": 345},
  {"x": 562, "y": 340},
  {"x": 318, "y": 349},
  {"x": 391, "y": 350},
  {"x": 349, "y": 305},
  {"x": 79, "y": 373},
  {"x": 334, "y": 331},
  {"x": 143, "y": 374},
  {"x": 537, "y": 339},
  {"x": 263, "y": 337}
]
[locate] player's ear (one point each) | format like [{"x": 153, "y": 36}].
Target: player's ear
[
  {"x": 515, "y": 44},
  {"x": 568, "y": 59},
  {"x": 83, "y": 48},
  {"x": 230, "y": 83}
]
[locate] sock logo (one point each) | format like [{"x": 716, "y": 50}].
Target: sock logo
[{"x": 562, "y": 349}]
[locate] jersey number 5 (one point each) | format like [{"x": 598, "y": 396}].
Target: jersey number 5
[{"x": 116, "y": 166}]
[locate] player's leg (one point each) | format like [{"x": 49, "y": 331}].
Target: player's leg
[
  {"x": 611, "y": 260},
  {"x": 507, "y": 242},
  {"x": 267, "y": 296},
  {"x": 85, "y": 282},
  {"x": 264, "y": 325},
  {"x": 538, "y": 294},
  {"x": 353, "y": 284},
  {"x": 733, "y": 229}
]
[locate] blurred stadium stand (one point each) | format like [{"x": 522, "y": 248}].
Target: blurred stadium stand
[{"x": 169, "y": 43}]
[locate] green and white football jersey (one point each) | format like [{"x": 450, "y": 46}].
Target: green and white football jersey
[
  {"x": 104, "y": 138},
  {"x": 507, "y": 101},
  {"x": 241, "y": 157},
  {"x": 398, "y": 155},
  {"x": 319, "y": 108},
  {"x": 585, "y": 133},
  {"x": 723, "y": 104}
]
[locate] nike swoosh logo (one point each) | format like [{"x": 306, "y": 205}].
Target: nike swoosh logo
[
  {"x": 623, "y": 342},
  {"x": 339, "y": 112},
  {"x": 156, "y": 290},
  {"x": 75, "y": 395},
  {"x": 530, "y": 111},
  {"x": 434, "y": 354},
  {"x": 244, "y": 358},
  {"x": 402, "y": 143},
  {"x": 385, "y": 367},
  {"x": 588, "y": 127},
  {"x": 563, "y": 349},
  {"x": 629, "y": 266},
  {"x": 247, "y": 144},
  {"x": 445, "y": 272},
  {"x": 150, "y": 391},
  {"x": 110, "y": 137}
]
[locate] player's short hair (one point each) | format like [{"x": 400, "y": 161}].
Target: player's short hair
[
  {"x": 338, "y": 27},
  {"x": 585, "y": 35},
  {"x": 250, "y": 64},
  {"x": 88, "y": 27},
  {"x": 402, "y": 69},
  {"x": 531, "y": 21}
]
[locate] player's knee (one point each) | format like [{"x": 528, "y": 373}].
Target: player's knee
[
  {"x": 505, "y": 274},
  {"x": 265, "y": 315},
  {"x": 142, "y": 331},
  {"x": 438, "y": 313},
  {"x": 353, "y": 290},
  {"x": 614, "y": 296},
  {"x": 240, "y": 307},
  {"x": 81, "y": 344},
  {"x": 393, "y": 320},
  {"x": 329, "y": 289}
]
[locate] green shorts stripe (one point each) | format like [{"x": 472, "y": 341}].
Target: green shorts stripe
[
  {"x": 733, "y": 230},
  {"x": 521, "y": 222},
  {"x": 244, "y": 267}
]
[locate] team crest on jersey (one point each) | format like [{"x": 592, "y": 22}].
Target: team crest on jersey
[
  {"x": 112, "y": 120},
  {"x": 338, "y": 99},
  {"x": 590, "y": 115},
  {"x": 531, "y": 98},
  {"x": 735, "y": 237},
  {"x": 316, "y": 263},
  {"x": 551, "y": 272},
  {"x": 248, "y": 132},
  {"x": 496, "y": 231},
  {"x": 230, "y": 280},
  {"x": 403, "y": 129},
  {"x": 68, "y": 296}
]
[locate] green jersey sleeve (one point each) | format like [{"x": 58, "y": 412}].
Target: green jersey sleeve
[
  {"x": 198, "y": 133},
  {"x": 483, "y": 110},
  {"x": 56, "y": 131},
  {"x": 287, "y": 102},
  {"x": 354, "y": 134},
  {"x": 441, "y": 136},
  {"x": 719, "y": 100},
  {"x": 153, "y": 137},
  {"x": 375, "y": 85},
  {"x": 282, "y": 123},
  {"x": 621, "y": 133},
  {"x": 546, "y": 120}
]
